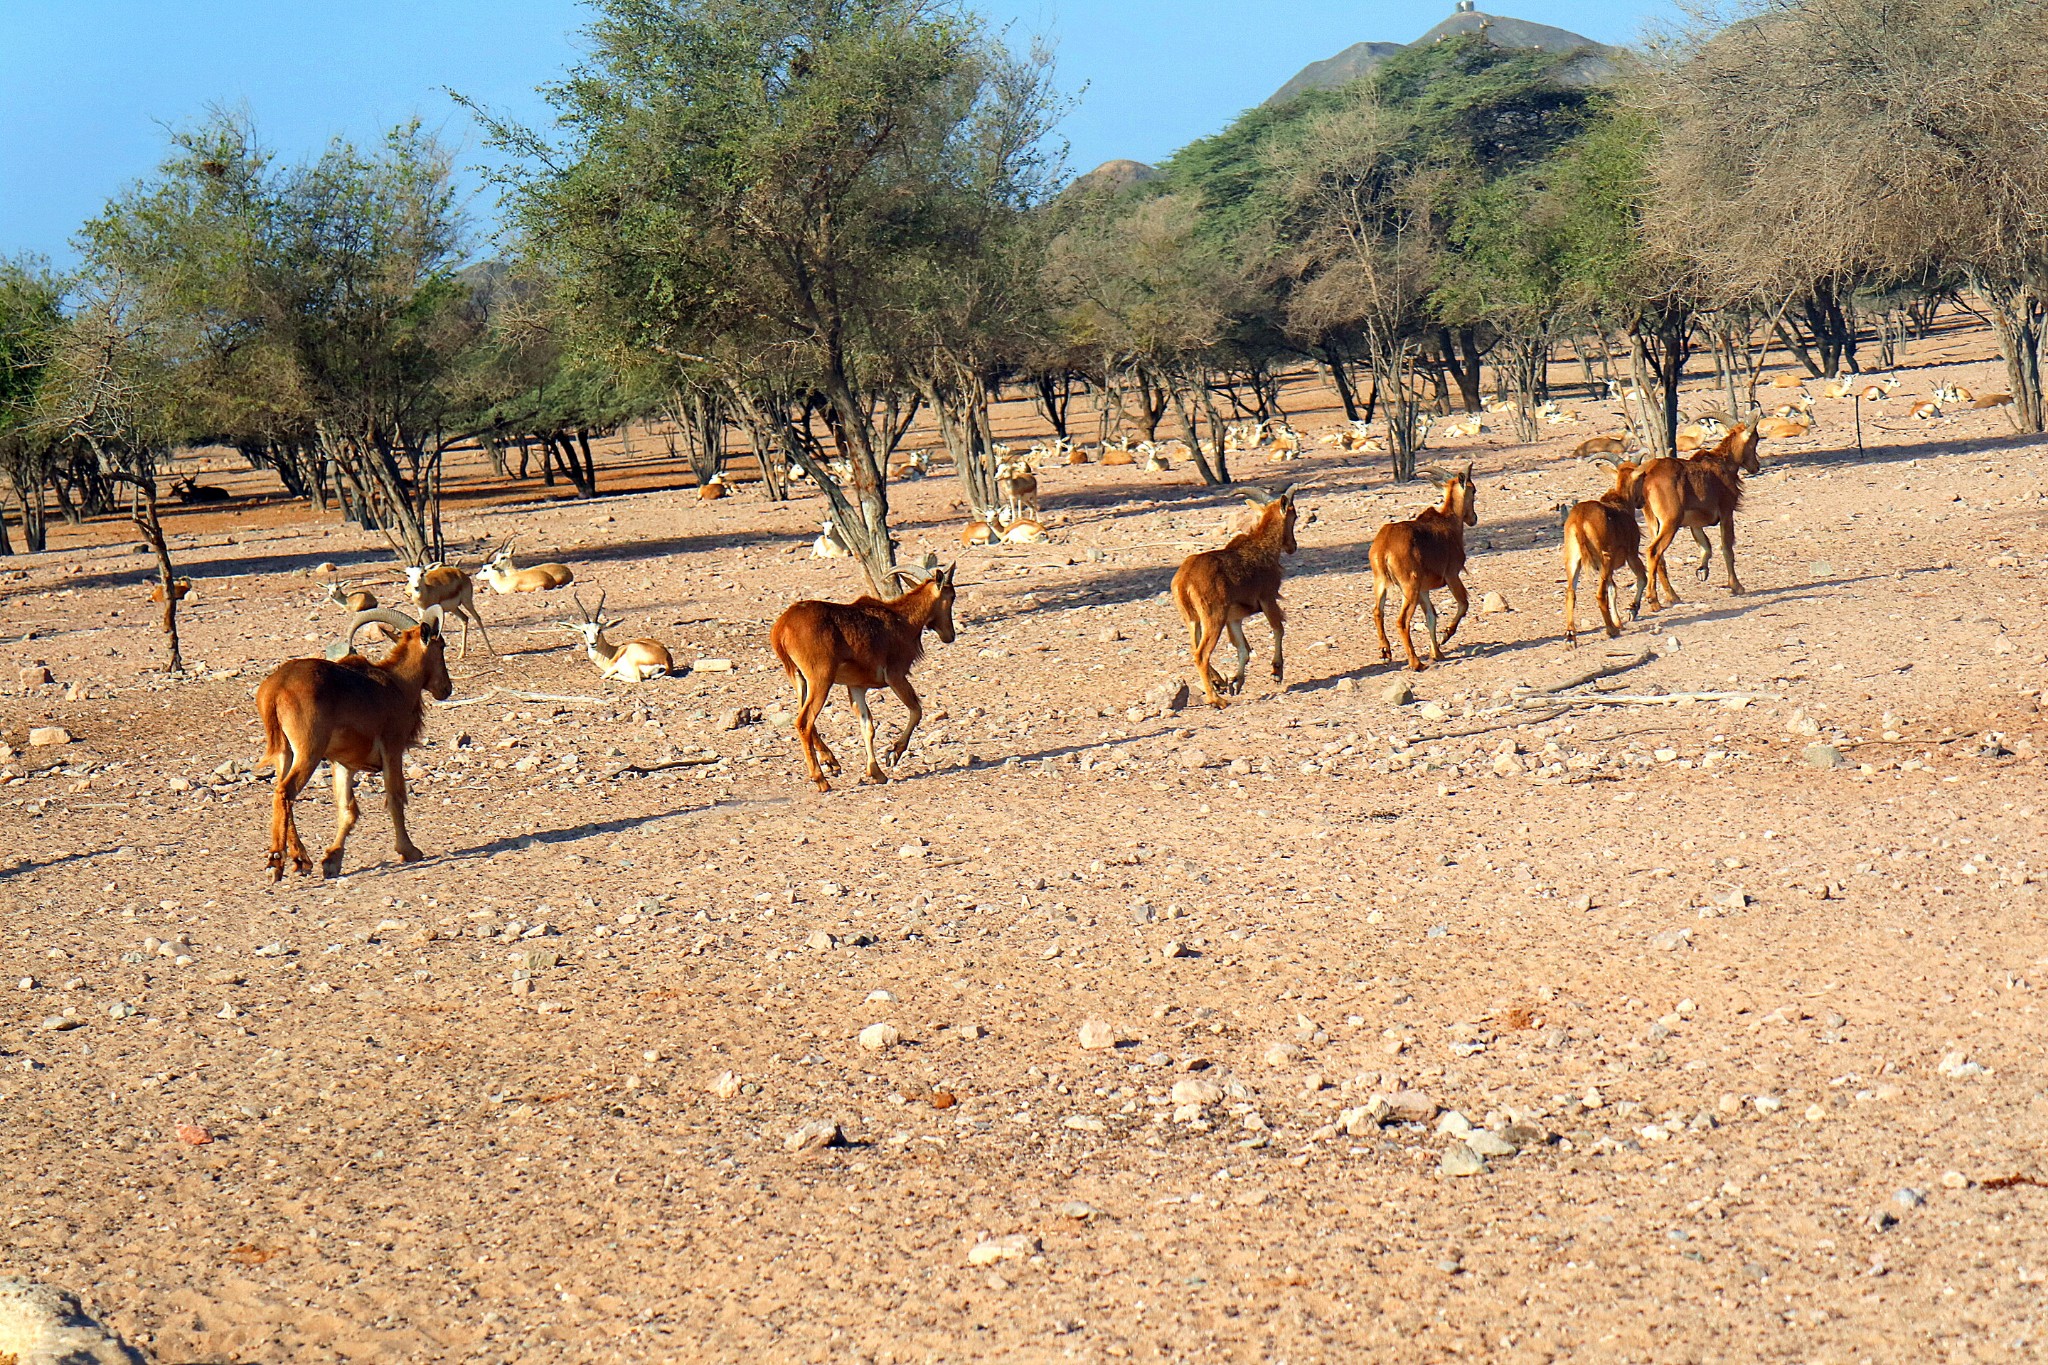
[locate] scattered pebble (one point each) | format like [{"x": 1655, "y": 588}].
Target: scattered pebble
[
  {"x": 1015, "y": 1247},
  {"x": 875, "y": 1037},
  {"x": 815, "y": 1136},
  {"x": 1460, "y": 1160},
  {"x": 1097, "y": 1036}
]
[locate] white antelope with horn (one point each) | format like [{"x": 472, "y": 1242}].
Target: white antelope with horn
[
  {"x": 632, "y": 661},
  {"x": 506, "y": 577}
]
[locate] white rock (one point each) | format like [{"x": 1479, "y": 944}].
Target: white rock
[
  {"x": 48, "y": 734},
  {"x": 1451, "y": 1123},
  {"x": 1461, "y": 1160},
  {"x": 1097, "y": 1036},
  {"x": 1015, "y": 1247},
  {"x": 814, "y": 1136},
  {"x": 1196, "y": 1091},
  {"x": 1283, "y": 1054},
  {"x": 1085, "y": 1123},
  {"x": 875, "y": 1037},
  {"x": 725, "y": 1085},
  {"x": 1493, "y": 603},
  {"x": 40, "y": 1325}
]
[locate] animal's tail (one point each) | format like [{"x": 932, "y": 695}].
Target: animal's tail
[
  {"x": 276, "y": 748},
  {"x": 782, "y": 655}
]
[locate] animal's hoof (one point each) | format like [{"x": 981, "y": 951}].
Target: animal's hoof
[
  {"x": 1738, "y": 591},
  {"x": 406, "y": 855},
  {"x": 1614, "y": 632},
  {"x": 874, "y": 776},
  {"x": 823, "y": 785}
]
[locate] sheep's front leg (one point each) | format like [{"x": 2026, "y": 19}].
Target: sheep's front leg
[{"x": 867, "y": 734}]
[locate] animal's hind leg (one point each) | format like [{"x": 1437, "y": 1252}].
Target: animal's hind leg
[
  {"x": 1406, "y": 621},
  {"x": 1244, "y": 656},
  {"x": 344, "y": 819},
  {"x": 1207, "y": 637},
  {"x": 1607, "y": 568},
  {"x": 1436, "y": 648},
  {"x": 284, "y": 833},
  {"x": 473, "y": 614},
  {"x": 1571, "y": 596},
  {"x": 1662, "y": 594},
  {"x": 1635, "y": 566},
  {"x": 859, "y": 696},
  {"x": 1706, "y": 568},
  {"x": 1379, "y": 617},
  {"x": 810, "y": 701},
  {"x": 394, "y": 801},
  {"x": 1277, "y": 619}
]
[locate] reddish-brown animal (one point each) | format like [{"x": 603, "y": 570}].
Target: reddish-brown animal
[
  {"x": 1217, "y": 590},
  {"x": 1603, "y": 532},
  {"x": 357, "y": 715},
  {"x": 860, "y": 645},
  {"x": 1420, "y": 556},
  {"x": 1695, "y": 493}
]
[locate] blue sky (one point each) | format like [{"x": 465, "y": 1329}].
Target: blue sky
[{"x": 87, "y": 87}]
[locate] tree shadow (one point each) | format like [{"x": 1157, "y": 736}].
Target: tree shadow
[
  {"x": 27, "y": 866},
  {"x": 573, "y": 833}
]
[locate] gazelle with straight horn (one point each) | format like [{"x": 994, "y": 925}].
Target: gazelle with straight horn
[
  {"x": 632, "y": 661},
  {"x": 452, "y": 589},
  {"x": 506, "y": 577}
]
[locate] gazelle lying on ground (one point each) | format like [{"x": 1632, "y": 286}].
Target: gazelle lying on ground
[
  {"x": 633, "y": 661},
  {"x": 506, "y": 577}
]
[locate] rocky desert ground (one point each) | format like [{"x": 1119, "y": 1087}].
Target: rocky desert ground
[{"x": 1687, "y": 1013}]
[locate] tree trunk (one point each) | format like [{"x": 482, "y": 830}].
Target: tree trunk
[
  {"x": 1054, "y": 392},
  {"x": 1183, "y": 400},
  {"x": 1400, "y": 404},
  {"x": 1340, "y": 380},
  {"x": 2019, "y": 315}
]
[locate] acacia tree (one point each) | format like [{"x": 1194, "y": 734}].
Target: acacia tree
[
  {"x": 31, "y": 319},
  {"x": 1136, "y": 281},
  {"x": 739, "y": 178},
  {"x": 313, "y": 309},
  {"x": 1868, "y": 142}
]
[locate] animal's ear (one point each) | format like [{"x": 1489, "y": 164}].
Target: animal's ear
[
  {"x": 1467, "y": 475},
  {"x": 946, "y": 576}
]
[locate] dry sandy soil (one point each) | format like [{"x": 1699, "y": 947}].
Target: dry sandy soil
[{"x": 1763, "y": 1033}]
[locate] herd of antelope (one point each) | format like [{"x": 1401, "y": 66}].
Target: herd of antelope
[{"x": 357, "y": 714}]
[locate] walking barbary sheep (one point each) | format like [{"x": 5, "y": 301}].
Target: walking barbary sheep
[
  {"x": 1217, "y": 590},
  {"x": 1420, "y": 556},
  {"x": 356, "y": 715},
  {"x": 1603, "y": 532},
  {"x": 860, "y": 645},
  {"x": 1695, "y": 493}
]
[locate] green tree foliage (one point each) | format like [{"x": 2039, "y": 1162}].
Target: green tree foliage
[
  {"x": 802, "y": 189},
  {"x": 31, "y": 319}
]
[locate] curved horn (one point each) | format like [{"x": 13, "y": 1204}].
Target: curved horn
[
  {"x": 382, "y": 616},
  {"x": 911, "y": 576},
  {"x": 1257, "y": 497},
  {"x": 1467, "y": 475}
]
